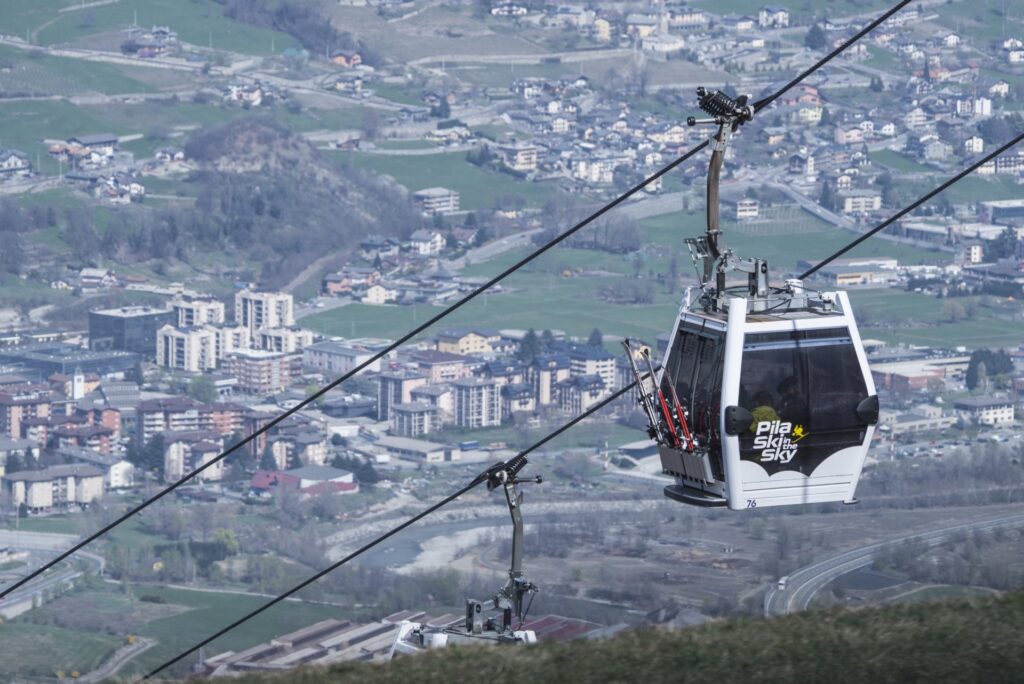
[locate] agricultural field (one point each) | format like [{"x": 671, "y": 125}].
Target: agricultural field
[
  {"x": 897, "y": 162},
  {"x": 37, "y": 73},
  {"x": 199, "y": 22},
  {"x": 479, "y": 188},
  {"x": 434, "y": 32},
  {"x": 47, "y": 651}
]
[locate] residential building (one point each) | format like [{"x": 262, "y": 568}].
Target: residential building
[
  {"x": 286, "y": 340},
  {"x": 118, "y": 473},
  {"x": 436, "y": 200},
  {"x": 413, "y": 419},
  {"x": 335, "y": 357},
  {"x": 579, "y": 393},
  {"x": 55, "y": 487},
  {"x": 379, "y": 294},
  {"x": 394, "y": 387},
  {"x": 194, "y": 311},
  {"x": 590, "y": 360},
  {"x": 745, "y": 209},
  {"x": 517, "y": 398},
  {"x": 259, "y": 310},
  {"x": 262, "y": 372},
  {"x": 426, "y": 242},
  {"x": 860, "y": 201},
  {"x": 520, "y": 157},
  {"x": 186, "y": 451},
  {"x": 128, "y": 328},
  {"x": 20, "y": 403},
  {"x": 986, "y": 410},
  {"x": 440, "y": 397},
  {"x": 546, "y": 371},
  {"x": 472, "y": 341},
  {"x": 773, "y": 16},
  {"x": 441, "y": 366},
  {"x": 189, "y": 349},
  {"x": 183, "y": 414},
  {"x": 477, "y": 403}
]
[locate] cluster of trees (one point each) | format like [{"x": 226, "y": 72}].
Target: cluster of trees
[
  {"x": 987, "y": 365},
  {"x": 296, "y": 209},
  {"x": 968, "y": 560},
  {"x": 628, "y": 293},
  {"x": 304, "y": 21},
  {"x": 363, "y": 469},
  {"x": 1005, "y": 246},
  {"x": 14, "y": 221}
]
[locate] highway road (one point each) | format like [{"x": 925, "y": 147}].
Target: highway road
[{"x": 804, "y": 584}]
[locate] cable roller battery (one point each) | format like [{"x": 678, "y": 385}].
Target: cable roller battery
[{"x": 720, "y": 104}]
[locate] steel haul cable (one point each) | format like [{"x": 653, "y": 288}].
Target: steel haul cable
[
  {"x": 478, "y": 480},
  {"x": 445, "y": 312}
]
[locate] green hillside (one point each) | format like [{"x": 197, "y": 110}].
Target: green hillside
[{"x": 954, "y": 641}]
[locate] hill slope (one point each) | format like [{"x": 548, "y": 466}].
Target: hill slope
[{"x": 954, "y": 641}]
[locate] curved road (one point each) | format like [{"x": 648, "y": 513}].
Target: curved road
[{"x": 805, "y": 583}]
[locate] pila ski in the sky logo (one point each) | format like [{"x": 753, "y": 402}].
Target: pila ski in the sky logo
[{"x": 777, "y": 440}]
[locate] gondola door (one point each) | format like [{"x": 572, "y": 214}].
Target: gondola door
[{"x": 807, "y": 409}]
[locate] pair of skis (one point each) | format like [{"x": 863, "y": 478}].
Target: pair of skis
[{"x": 662, "y": 431}]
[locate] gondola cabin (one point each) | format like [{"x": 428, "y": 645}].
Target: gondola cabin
[
  {"x": 763, "y": 397},
  {"x": 780, "y": 405}
]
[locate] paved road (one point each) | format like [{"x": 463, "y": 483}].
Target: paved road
[
  {"x": 805, "y": 583},
  {"x": 43, "y": 546},
  {"x": 117, "y": 660}
]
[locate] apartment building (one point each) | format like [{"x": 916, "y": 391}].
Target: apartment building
[
  {"x": 259, "y": 310},
  {"x": 55, "y": 487},
  {"x": 413, "y": 419},
  {"x": 20, "y": 403},
  {"x": 477, "y": 403},
  {"x": 262, "y": 372},
  {"x": 395, "y": 387},
  {"x": 194, "y": 311}
]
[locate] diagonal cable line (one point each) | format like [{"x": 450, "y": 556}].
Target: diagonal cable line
[
  {"x": 420, "y": 328},
  {"x": 761, "y": 104},
  {"x": 478, "y": 480},
  {"x": 913, "y": 205}
]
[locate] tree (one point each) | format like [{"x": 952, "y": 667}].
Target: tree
[
  {"x": 816, "y": 38},
  {"x": 1003, "y": 247},
  {"x": 202, "y": 388},
  {"x": 877, "y": 84},
  {"x": 826, "y": 117},
  {"x": 442, "y": 110},
  {"x": 267, "y": 461},
  {"x": 596, "y": 338},
  {"x": 529, "y": 347},
  {"x": 151, "y": 455},
  {"x": 827, "y": 198},
  {"x": 547, "y": 338}
]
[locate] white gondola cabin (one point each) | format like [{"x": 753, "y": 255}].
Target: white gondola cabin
[{"x": 764, "y": 396}]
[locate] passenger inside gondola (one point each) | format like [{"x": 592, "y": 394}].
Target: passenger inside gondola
[{"x": 793, "y": 408}]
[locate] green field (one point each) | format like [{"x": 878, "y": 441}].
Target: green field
[
  {"x": 897, "y": 162},
  {"x": 37, "y": 73},
  {"x": 199, "y": 22},
  {"x": 540, "y": 296},
  {"x": 31, "y": 650},
  {"x": 478, "y": 188},
  {"x": 210, "y": 611}
]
